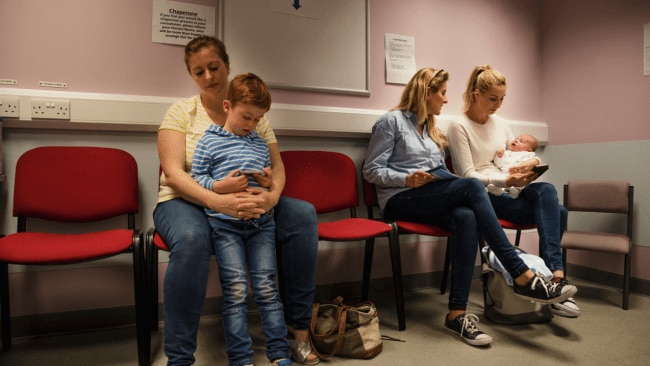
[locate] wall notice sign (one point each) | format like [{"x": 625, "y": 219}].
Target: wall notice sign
[
  {"x": 178, "y": 23},
  {"x": 400, "y": 58}
]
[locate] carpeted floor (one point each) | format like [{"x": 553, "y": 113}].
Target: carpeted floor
[{"x": 604, "y": 335}]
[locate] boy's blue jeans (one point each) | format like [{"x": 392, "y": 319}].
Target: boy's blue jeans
[{"x": 248, "y": 248}]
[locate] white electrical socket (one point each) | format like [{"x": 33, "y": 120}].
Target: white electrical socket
[
  {"x": 9, "y": 106},
  {"x": 51, "y": 108}
]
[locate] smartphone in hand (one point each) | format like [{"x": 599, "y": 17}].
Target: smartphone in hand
[
  {"x": 250, "y": 171},
  {"x": 540, "y": 169}
]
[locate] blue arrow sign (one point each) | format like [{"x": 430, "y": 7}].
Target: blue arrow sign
[{"x": 296, "y": 4}]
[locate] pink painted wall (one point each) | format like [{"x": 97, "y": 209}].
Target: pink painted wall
[
  {"x": 576, "y": 65},
  {"x": 593, "y": 88},
  {"x": 455, "y": 36},
  {"x": 105, "y": 47},
  {"x": 94, "y": 46}
]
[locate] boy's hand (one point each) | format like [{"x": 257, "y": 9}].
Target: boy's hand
[
  {"x": 500, "y": 152},
  {"x": 265, "y": 178},
  {"x": 233, "y": 182}
]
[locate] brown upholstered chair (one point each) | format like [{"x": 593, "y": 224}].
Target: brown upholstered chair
[{"x": 606, "y": 197}]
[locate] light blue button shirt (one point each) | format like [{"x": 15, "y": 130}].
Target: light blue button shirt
[{"x": 397, "y": 150}]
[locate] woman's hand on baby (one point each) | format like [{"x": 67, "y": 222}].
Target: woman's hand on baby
[
  {"x": 521, "y": 179},
  {"x": 524, "y": 167}
]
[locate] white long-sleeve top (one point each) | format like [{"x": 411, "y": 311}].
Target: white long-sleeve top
[{"x": 473, "y": 146}]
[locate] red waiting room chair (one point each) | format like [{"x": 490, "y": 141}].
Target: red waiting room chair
[
  {"x": 72, "y": 186},
  {"x": 328, "y": 180}
]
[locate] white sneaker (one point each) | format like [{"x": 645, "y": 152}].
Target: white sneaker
[{"x": 566, "y": 308}]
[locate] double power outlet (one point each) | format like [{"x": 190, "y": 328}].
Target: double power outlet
[
  {"x": 40, "y": 108},
  {"x": 51, "y": 108},
  {"x": 9, "y": 107}
]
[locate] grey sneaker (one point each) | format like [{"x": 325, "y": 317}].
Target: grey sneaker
[
  {"x": 465, "y": 326},
  {"x": 542, "y": 290}
]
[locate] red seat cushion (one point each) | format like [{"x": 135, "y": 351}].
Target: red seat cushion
[
  {"x": 352, "y": 229},
  {"x": 422, "y": 229},
  {"x": 160, "y": 243},
  {"x": 513, "y": 226},
  {"x": 45, "y": 248}
]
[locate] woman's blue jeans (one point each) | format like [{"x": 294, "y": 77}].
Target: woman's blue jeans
[
  {"x": 185, "y": 228},
  {"x": 246, "y": 248},
  {"x": 462, "y": 206},
  {"x": 537, "y": 204}
]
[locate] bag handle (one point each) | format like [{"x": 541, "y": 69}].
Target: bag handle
[{"x": 341, "y": 316}]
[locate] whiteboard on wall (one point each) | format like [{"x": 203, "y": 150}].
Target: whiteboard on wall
[{"x": 321, "y": 46}]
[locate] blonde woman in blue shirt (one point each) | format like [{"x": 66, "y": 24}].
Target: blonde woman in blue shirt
[{"x": 405, "y": 148}]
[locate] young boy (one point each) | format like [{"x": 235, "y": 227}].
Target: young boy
[
  {"x": 229, "y": 159},
  {"x": 521, "y": 149}
]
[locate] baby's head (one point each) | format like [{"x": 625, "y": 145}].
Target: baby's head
[{"x": 523, "y": 142}]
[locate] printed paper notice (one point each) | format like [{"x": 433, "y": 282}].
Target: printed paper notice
[
  {"x": 400, "y": 58},
  {"x": 178, "y": 23},
  {"x": 646, "y": 50}
]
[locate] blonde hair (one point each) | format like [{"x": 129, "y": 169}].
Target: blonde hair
[
  {"x": 414, "y": 99},
  {"x": 483, "y": 77}
]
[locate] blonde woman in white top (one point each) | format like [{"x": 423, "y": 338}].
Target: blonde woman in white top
[{"x": 474, "y": 138}]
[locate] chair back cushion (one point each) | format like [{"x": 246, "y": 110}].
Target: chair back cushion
[
  {"x": 597, "y": 196},
  {"x": 370, "y": 194},
  {"x": 327, "y": 180},
  {"x": 75, "y": 184}
]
